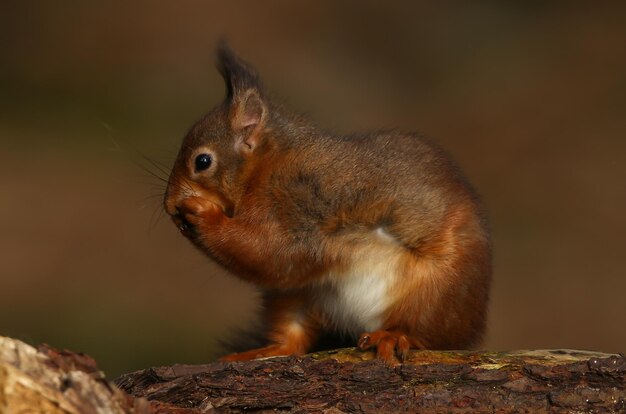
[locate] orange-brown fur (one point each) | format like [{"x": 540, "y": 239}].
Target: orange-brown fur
[{"x": 376, "y": 230}]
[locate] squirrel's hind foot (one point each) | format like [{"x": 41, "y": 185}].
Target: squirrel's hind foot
[{"x": 389, "y": 345}]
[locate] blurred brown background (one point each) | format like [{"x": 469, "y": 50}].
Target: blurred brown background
[{"x": 530, "y": 98}]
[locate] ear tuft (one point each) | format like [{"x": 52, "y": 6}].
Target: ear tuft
[
  {"x": 247, "y": 109},
  {"x": 238, "y": 75}
]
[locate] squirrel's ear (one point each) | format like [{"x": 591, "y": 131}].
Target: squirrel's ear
[
  {"x": 246, "y": 106},
  {"x": 247, "y": 118}
]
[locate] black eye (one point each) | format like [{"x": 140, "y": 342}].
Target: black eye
[{"x": 203, "y": 161}]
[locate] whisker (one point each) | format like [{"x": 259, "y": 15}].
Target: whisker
[
  {"x": 157, "y": 212},
  {"x": 180, "y": 186},
  {"x": 152, "y": 173},
  {"x": 184, "y": 184},
  {"x": 153, "y": 186},
  {"x": 154, "y": 164},
  {"x": 151, "y": 197},
  {"x": 153, "y": 169}
]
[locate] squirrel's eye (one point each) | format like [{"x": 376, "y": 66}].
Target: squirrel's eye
[{"x": 203, "y": 161}]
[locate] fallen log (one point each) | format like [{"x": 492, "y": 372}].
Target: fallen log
[
  {"x": 336, "y": 381},
  {"x": 348, "y": 380}
]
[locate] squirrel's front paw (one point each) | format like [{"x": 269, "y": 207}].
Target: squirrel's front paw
[{"x": 197, "y": 211}]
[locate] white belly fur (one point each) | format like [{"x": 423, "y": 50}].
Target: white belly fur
[{"x": 356, "y": 299}]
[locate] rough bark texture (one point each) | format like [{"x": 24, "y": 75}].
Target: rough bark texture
[
  {"x": 48, "y": 380},
  {"x": 51, "y": 381},
  {"x": 349, "y": 381}
]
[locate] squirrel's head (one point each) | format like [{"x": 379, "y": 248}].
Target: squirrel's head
[{"x": 219, "y": 149}]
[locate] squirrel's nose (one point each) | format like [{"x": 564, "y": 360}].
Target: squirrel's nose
[{"x": 170, "y": 204}]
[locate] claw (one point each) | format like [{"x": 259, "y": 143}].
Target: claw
[
  {"x": 402, "y": 348},
  {"x": 389, "y": 345},
  {"x": 364, "y": 342}
]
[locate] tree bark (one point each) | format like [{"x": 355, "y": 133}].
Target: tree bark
[
  {"x": 430, "y": 381},
  {"x": 346, "y": 380}
]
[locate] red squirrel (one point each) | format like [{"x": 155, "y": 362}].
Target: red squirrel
[{"x": 377, "y": 236}]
